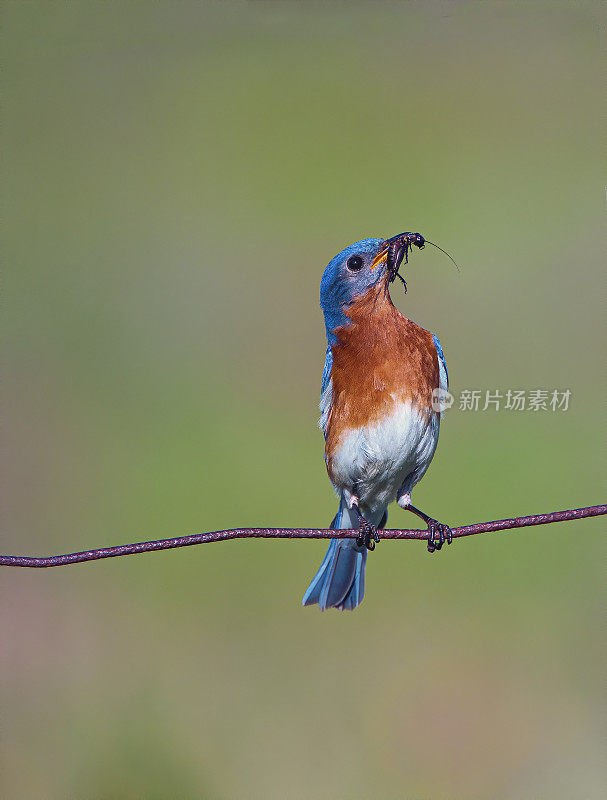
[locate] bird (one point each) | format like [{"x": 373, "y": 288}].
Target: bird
[{"x": 379, "y": 411}]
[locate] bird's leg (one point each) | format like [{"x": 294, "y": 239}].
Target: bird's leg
[
  {"x": 439, "y": 532},
  {"x": 368, "y": 532}
]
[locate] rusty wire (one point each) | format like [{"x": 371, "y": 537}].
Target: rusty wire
[{"x": 292, "y": 533}]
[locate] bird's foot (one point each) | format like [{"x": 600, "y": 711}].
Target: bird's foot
[
  {"x": 368, "y": 535},
  {"x": 439, "y": 534}
]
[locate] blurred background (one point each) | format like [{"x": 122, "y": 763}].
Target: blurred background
[{"x": 176, "y": 177}]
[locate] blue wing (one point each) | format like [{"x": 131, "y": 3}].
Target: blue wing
[
  {"x": 442, "y": 364},
  {"x": 326, "y": 373},
  {"x": 326, "y": 395}
]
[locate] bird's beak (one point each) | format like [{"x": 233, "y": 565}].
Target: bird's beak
[{"x": 381, "y": 256}]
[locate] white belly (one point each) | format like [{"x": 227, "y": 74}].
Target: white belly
[{"x": 375, "y": 461}]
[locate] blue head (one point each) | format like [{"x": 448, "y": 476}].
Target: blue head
[
  {"x": 348, "y": 276},
  {"x": 362, "y": 265}
]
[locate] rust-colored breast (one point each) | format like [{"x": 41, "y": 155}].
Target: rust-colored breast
[{"x": 380, "y": 358}]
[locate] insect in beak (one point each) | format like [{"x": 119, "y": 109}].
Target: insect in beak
[
  {"x": 398, "y": 251},
  {"x": 398, "y": 248}
]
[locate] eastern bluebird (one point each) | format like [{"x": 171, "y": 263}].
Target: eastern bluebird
[{"x": 377, "y": 413}]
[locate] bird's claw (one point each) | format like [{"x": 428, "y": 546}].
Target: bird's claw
[
  {"x": 368, "y": 535},
  {"x": 439, "y": 534}
]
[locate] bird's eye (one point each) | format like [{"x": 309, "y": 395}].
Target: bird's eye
[{"x": 355, "y": 263}]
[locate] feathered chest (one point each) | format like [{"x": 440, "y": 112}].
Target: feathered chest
[{"x": 380, "y": 360}]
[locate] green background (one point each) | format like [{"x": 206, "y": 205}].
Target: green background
[{"x": 176, "y": 176}]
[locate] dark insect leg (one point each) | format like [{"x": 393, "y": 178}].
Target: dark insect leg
[{"x": 400, "y": 277}]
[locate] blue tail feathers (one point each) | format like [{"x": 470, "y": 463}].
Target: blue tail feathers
[{"x": 340, "y": 580}]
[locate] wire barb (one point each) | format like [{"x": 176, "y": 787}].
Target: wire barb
[{"x": 293, "y": 533}]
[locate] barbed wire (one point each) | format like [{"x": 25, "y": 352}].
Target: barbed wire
[{"x": 293, "y": 533}]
